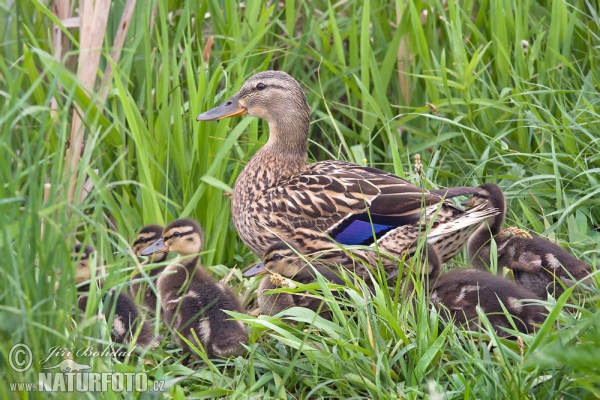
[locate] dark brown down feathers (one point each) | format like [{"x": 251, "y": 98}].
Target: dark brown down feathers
[
  {"x": 457, "y": 294},
  {"x": 194, "y": 301},
  {"x": 537, "y": 264}
]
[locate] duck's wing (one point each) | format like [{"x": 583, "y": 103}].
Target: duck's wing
[{"x": 350, "y": 203}]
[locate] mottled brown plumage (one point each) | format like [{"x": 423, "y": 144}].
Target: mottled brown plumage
[
  {"x": 147, "y": 236},
  {"x": 193, "y": 300},
  {"x": 537, "y": 264},
  {"x": 461, "y": 291},
  {"x": 278, "y": 197},
  {"x": 126, "y": 315}
]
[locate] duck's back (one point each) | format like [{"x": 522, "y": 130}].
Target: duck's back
[{"x": 351, "y": 204}]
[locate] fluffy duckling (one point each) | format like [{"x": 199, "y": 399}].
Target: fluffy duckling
[
  {"x": 147, "y": 235},
  {"x": 192, "y": 299},
  {"x": 283, "y": 262},
  {"x": 461, "y": 291},
  {"x": 536, "y": 262},
  {"x": 126, "y": 314}
]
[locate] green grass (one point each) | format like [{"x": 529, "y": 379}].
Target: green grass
[{"x": 523, "y": 115}]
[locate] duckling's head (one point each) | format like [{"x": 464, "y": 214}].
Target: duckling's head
[
  {"x": 488, "y": 192},
  {"x": 280, "y": 258},
  {"x": 275, "y": 97},
  {"x": 491, "y": 193},
  {"x": 81, "y": 255},
  {"x": 146, "y": 237},
  {"x": 183, "y": 236}
]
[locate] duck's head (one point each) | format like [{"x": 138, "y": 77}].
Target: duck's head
[
  {"x": 145, "y": 238},
  {"x": 183, "y": 236},
  {"x": 275, "y": 97},
  {"x": 280, "y": 258},
  {"x": 81, "y": 255}
]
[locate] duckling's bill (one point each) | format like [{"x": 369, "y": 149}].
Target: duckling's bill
[
  {"x": 230, "y": 108},
  {"x": 258, "y": 269},
  {"x": 156, "y": 247},
  {"x": 469, "y": 202},
  {"x": 392, "y": 274}
]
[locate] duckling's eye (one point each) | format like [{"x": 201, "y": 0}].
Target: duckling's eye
[
  {"x": 261, "y": 86},
  {"x": 277, "y": 257},
  {"x": 142, "y": 240},
  {"x": 176, "y": 234}
]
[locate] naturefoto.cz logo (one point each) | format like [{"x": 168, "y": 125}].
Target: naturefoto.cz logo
[{"x": 71, "y": 376}]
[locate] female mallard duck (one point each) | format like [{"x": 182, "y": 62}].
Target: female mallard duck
[
  {"x": 278, "y": 197},
  {"x": 148, "y": 235},
  {"x": 536, "y": 262},
  {"x": 193, "y": 300},
  {"x": 461, "y": 291},
  {"x": 282, "y": 260},
  {"x": 126, "y": 314}
]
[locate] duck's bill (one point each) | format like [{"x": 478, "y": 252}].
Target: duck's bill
[
  {"x": 230, "y": 108},
  {"x": 258, "y": 269},
  {"x": 156, "y": 247}
]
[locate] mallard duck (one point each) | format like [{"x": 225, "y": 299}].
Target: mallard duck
[
  {"x": 282, "y": 262},
  {"x": 278, "y": 197},
  {"x": 147, "y": 235},
  {"x": 536, "y": 262},
  {"x": 126, "y": 314},
  {"x": 461, "y": 291},
  {"x": 191, "y": 299}
]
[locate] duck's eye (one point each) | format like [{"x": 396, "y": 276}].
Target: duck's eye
[
  {"x": 176, "y": 234},
  {"x": 261, "y": 86},
  {"x": 142, "y": 240},
  {"x": 277, "y": 257}
]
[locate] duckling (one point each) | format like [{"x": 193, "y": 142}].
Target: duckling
[
  {"x": 282, "y": 260},
  {"x": 461, "y": 291},
  {"x": 191, "y": 299},
  {"x": 147, "y": 235},
  {"x": 126, "y": 314},
  {"x": 536, "y": 262}
]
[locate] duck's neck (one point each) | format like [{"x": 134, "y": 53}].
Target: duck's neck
[
  {"x": 156, "y": 258},
  {"x": 282, "y": 156},
  {"x": 288, "y": 136},
  {"x": 189, "y": 265}
]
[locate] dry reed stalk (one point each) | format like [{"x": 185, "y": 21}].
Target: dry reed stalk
[{"x": 94, "y": 16}]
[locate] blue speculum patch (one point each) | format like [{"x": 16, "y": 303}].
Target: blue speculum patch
[{"x": 360, "y": 232}]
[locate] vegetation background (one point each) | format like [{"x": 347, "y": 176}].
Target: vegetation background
[{"x": 98, "y": 137}]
